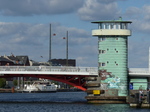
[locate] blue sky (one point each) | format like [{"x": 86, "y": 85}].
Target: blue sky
[{"x": 24, "y": 28}]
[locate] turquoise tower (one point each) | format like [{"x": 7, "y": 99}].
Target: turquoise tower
[{"x": 113, "y": 54}]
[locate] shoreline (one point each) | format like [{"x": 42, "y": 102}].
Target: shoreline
[{"x": 12, "y": 90}]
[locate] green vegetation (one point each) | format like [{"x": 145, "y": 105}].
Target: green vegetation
[
  {"x": 15, "y": 82},
  {"x": 2, "y": 82}
]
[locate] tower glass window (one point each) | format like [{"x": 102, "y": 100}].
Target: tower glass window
[
  {"x": 111, "y": 26},
  {"x": 102, "y": 51},
  {"x": 102, "y": 39},
  {"x": 102, "y": 64}
]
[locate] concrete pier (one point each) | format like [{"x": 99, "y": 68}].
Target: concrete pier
[
  {"x": 101, "y": 95},
  {"x": 11, "y": 90},
  {"x": 139, "y": 100},
  {"x": 106, "y": 99}
]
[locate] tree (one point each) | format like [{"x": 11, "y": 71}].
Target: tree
[
  {"x": 2, "y": 82},
  {"x": 15, "y": 82}
]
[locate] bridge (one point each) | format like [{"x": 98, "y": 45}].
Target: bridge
[
  {"x": 63, "y": 70},
  {"x": 139, "y": 72},
  {"x": 74, "y": 76}
]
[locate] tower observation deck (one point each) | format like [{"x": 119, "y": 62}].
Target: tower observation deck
[{"x": 113, "y": 51}]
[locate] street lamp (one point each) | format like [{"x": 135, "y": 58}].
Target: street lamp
[
  {"x": 50, "y": 39},
  {"x": 50, "y": 45},
  {"x": 66, "y": 47}
]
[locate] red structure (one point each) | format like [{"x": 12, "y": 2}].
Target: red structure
[{"x": 77, "y": 81}]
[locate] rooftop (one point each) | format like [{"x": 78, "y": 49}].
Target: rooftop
[{"x": 112, "y": 21}]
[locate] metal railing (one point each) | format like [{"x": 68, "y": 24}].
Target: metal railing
[
  {"x": 60, "y": 69},
  {"x": 139, "y": 70}
]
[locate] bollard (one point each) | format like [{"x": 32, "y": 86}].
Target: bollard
[
  {"x": 12, "y": 90},
  {"x": 137, "y": 97},
  {"x": 148, "y": 96}
]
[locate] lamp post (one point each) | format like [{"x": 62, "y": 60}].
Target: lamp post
[
  {"x": 50, "y": 39},
  {"x": 66, "y": 47},
  {"x": 50, "y": 45}
]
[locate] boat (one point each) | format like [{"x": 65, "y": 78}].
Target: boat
[{"x": 40, "y": 87}]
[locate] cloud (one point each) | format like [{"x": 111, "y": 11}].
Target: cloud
[
  {"x": 85, "y": 8},
  {"x": 33, "y": 40},
  {"x": 140, "y": 18},
  {"x": 138, "y": 53},
  {"x": 98, "y": 10},
  {"x": 139, "y": 41},
  {"x": 134, "y": 13},
  {"x": 38, "y": 7},
  {"x": 146, "y": 11}
]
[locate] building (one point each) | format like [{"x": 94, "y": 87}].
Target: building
[
  {"x": 113, "y": 51},
  {"x": 4, "y": 61},
  {"x": 63, "y": 62},
  {"x": 14, "y": 60}
]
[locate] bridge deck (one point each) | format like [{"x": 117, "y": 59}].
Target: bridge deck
[
  {"x": 51, "y": 70},
  {"x": 64, "y": 70},
  {"x": 139, "y": 72}
]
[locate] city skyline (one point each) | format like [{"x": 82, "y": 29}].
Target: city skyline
[{"x": 24, "y": 28}]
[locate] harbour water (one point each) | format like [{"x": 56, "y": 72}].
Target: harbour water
[{"x": 57, "y": 102}]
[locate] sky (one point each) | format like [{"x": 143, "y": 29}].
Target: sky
[{"x": 25, "y": 24}]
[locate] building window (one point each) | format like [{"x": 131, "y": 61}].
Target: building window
[
  {"x": 117, "y": 26},
  {"x": 111, "y": 26},
  {"x": 102, "y": 38},
  {"x": 107, "y": 26},
  {"x": 116, "y": 50},
  {"x": 102, "y": 51},
  {"x": 102, "y": 64}
]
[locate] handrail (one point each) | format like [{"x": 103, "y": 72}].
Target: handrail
[
  {"x": 90, "y": 70},
  {"x": 139, "y": 70}
]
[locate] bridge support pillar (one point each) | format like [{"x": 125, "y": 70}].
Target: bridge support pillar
[
  {"x": 98, "y": 94},
  {"x": 93, "y": 87},
  {"x": 148, "y": 81}
]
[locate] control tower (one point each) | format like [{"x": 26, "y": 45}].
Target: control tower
[{"x": 113, "y": 55}]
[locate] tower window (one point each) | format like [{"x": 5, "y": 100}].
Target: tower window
[
  {"x": 102, "y": 51},
  {"x": 102, "y": 64},
  {"x": 111, "y": 26},
  {"x": 117, "y": 26},
  {"x": 102, "y": 39}
]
